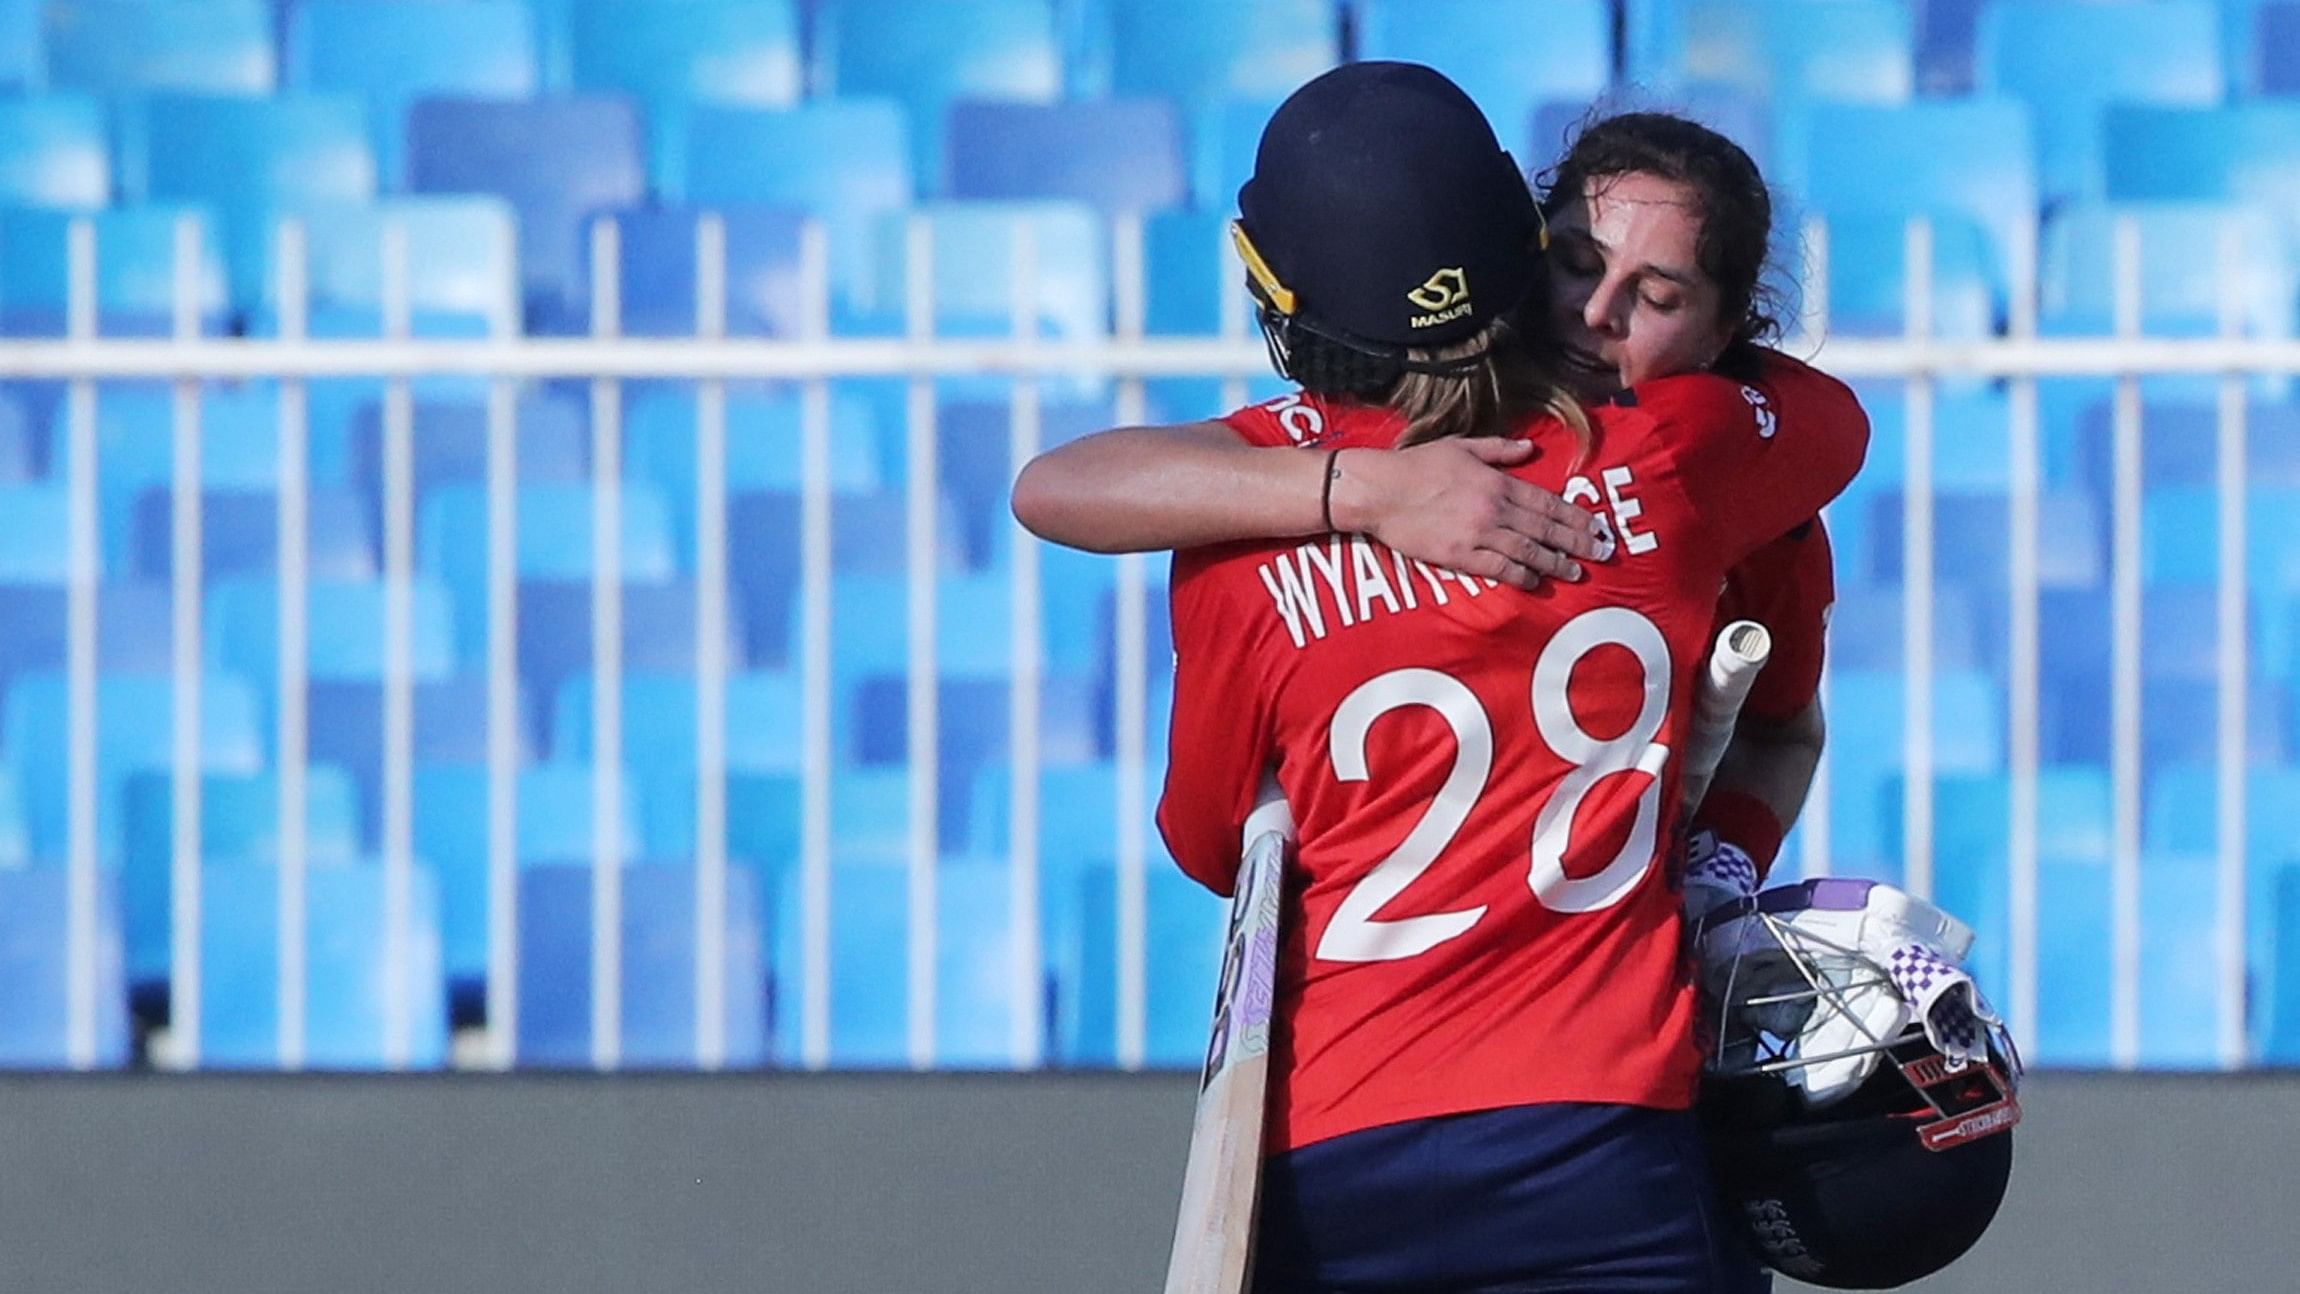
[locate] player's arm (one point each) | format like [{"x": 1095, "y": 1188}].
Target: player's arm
[
  {"x": 1767, "y": 771},
  {"x": 1762, "y": 782},
  {"x": 1219, "y": 745},
  {"x": 1142, "y": 489}
]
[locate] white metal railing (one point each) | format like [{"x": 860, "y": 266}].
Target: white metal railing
[{"x": 1128, "y": 358}]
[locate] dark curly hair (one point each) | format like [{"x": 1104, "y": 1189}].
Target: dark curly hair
[{"x": 1736, "y": 208}]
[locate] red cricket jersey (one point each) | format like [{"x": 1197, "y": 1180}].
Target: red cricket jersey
[{"x": 1484, "y": 779}]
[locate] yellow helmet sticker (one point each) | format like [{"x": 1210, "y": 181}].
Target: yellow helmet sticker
[{"x": 1279, "y": 295}]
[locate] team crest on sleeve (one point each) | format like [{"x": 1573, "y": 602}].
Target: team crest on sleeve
[{"x": 1767, "y": 421}]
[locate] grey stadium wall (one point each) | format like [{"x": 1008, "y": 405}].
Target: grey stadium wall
[{"x": 941, "y": 1183}]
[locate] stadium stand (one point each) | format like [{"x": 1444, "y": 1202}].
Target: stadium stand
[
  {"x": 53, "y": 153},
  {"x": 392, "y": 54},
  {"x": 139, "y": 46},
  {"x": 35, "y": 1021},
  {"x": 2068, "y": 61},
  {"x": 1485, "y": 50},
  {"x": 493, "y": 133}
]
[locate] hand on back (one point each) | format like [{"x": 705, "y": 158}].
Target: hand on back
[{"x": 1452, "y": 504}]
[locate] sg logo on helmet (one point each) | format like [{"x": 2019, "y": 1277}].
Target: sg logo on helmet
[{"x": 1444, "y": 296}]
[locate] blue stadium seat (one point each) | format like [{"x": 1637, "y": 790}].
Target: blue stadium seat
[
  {"x": 2179, "y": 446},
  {"x": 134, "y": 733},
  {"x": 1865, "y": 629},
  {"x": 348, "y": 978},
  {"x": 1184, "y": 925},
  {"x": 2280, "y": 1042},
  {"x": 135, "y": 446},
  {"x": 53, "y": 152},
  {"x": 1866, "y": 720},
  {"x": 449, "y": 443},
  {"x": 133, "y": 46},
  {"x": 23, "y": 62},
  {"x": 35, "y": 1012},
  {"x": 705, "y": 51},
  {"x": 1945, "y": 39},
  {"x": 23, "y": 448},
  {"x": 2179, "y": 963},
  {"x": 2072, "y": 539},
  {"x": 1869, "y": 272},
  {"x": 15, "y": 832},
  {"x": 839, "y": 160},
  {"x": 763, "y": 811},
  {"x": 972, "y": 245},
  {"x": 1197, "y": 50},
  {"x": 461, "y": 267},
  {"x": 2069, "y": 60},
  {"x": 1801, "y": 50},
  {"x": 239, "y": 535},
  {"x": 831, "y": 156},
  {"x": 870, "y": 925},
  {"x": 345, "y": 630},
  {"x": 554, "y": 542},
  {"x": 659, "y": 272},
  {"x": 2247, "y": 152},
  {"x": 868, "y": 538},
  {"x": 971, "y": 721},
  {"x": 242, "y": 156},
  {"x": 1221, "y": 136},
  {"x": 1967, "y": 158},
  {"x": 391, "y": 54},
  {"x": 34, "y": 544},
  {"x": 762, "y": 815},
  {"x": 554, "y": 160},
  {"x": 927, "y": 53},
  {"x": 762, "y": 720},
  {"x": 135, "y": 271},
  {"x": 1077, "y": 813},
  {"x": 2072, "y": 939},
  {"x": 239, "y": 823},
  {"x": 1972, "y": 439},
  {"x": 974, "y": 462},
  {"x": 2180, "y": 632},
  {"x": 2181, "y": 284},
  {"x": 870, "y": 813},
  {"x": 763, "y": 446},
  {"x": 870, "y": 618},
  {"x": 2276, "y": 45},
  {"x": 1116, "y": 155},
  {"x": 553, "y": 826},
  {"x": 657, "y": 1023},
  {"x": 1188, "y": 266},
  {"x": 2182, "y": 814},
  {"x": 658, "y": 632},
  {"x": 133, "y": 634},
  {"x": 1484, "y": 49},
  {"x": 2076, "y": 720},
  {"x": 450, "y": 727},
  {"x": 2180, "y": 536}
]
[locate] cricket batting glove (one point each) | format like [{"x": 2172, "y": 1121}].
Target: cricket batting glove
[{"x": 1715, "y": 873}]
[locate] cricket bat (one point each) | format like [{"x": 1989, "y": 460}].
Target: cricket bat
[
  {"x": 1221, "y": 1186},
  {"x": 1741, "y": 650}
]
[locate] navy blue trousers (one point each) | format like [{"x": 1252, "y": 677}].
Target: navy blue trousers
[{"x": 1587, "y": 1199}]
